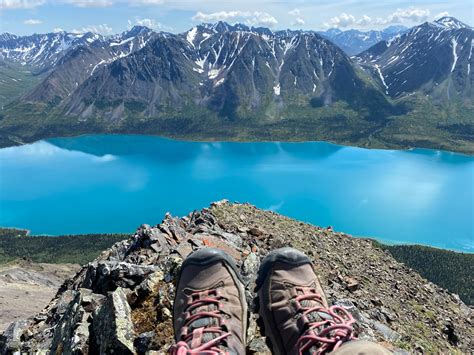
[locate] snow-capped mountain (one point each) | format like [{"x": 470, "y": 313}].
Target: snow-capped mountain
[
  {"x": 354, "y": 41},
  {"x": 228, "y": 69},
  {"x": 44, "y": 51},
  {"x": 432, "y": 55}
]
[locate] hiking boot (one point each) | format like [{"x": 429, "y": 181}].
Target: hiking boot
[
  {"x": 293, "y": 307},
  {"x": 210, "y": 309}
]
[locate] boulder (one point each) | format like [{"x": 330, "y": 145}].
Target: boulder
[{"x": 113, "y": 327}]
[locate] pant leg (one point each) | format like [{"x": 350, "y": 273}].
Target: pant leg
[{"x": 361, "y": 347}]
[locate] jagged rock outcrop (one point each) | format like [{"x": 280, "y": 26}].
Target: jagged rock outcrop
[{"x": 122, "y": 301}]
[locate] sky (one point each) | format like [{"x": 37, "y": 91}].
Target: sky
[{"x": 24, "y": 17}]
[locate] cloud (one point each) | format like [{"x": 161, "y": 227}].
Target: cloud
[
  {"x": 441, "y": 14},
  {"x": 103, "y": 29},
  {"x": 294, "y": 12},
  {"x": 148, "y": 22},
  {"x": 256, "y": 18},
  {"x": 90, "y": 3},
  {"x": 146, "y": 2},
  {"x": 298, "y": 22},
  {"x": 32, "y": 22},
  {"x": 411, "y": 14},
  {"x": 58, "y": 29},
  {"x": 20, "y": 4}
]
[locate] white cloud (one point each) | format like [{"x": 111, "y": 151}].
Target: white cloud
[
  {"x": 298, "y": 22},
  {"x": 146, "y": 2},
  {"x": 441, "y": 14},
  {"x": 90, "y": 3},
  {"x": 294, "y": 12},
  {"x": 411, "y": 14},
  {"x": 103, "y": 29},
  {"x": 32, "y": 22},
  {"x": 148, "y": 22},
  {"x": 20, "y": 4},
  {"x": 343, "y": 20},
  {"x": 256, "y": 18},
  {"x": 58, "y": 29}
]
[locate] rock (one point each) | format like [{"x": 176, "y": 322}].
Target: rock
[
  {"x": 10, "y": 339},
  {"x": 388, "y": 334},
  {"x": 113, "y": 327},
  {"x": 352, "y": 284},
  {"x": 71, "y": 335},
  {"x": 122, "y": 302},
  {"x": 255, "y": 231},
  {"x": 258, "y": 346},
  {"x": 143, "y": 341}
]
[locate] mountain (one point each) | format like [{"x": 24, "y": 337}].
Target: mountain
[
  {"x": 214, "y": 75},
  {"x": 234, "y": 82},
  {"x": 122, "y": 301},
  {"x": 434, "y": 58},
  {"x": 230, "y": 70},
  {"x": 354, "y": 41}
]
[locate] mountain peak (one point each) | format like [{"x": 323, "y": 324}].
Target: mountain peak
[{"x": 451, "y": 23}]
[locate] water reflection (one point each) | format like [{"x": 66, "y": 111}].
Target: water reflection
[{"x": 115, "y": 183}]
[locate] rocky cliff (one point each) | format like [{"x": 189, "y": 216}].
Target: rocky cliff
[{"x": 122, "y": 301}]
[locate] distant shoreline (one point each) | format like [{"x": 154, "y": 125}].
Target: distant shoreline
[
  {"x": 27, "y": 233},
  {"x": 217, "y": 139}
]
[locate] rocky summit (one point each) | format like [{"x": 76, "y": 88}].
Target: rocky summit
[{"x": 122, "y": 301}]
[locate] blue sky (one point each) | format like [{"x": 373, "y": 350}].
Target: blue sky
[{"x": 115, "y": 16}]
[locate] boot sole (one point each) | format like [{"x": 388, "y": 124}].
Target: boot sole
[
  {"x": 209, "y": 256},
  {"x": 284, "y": 255}
]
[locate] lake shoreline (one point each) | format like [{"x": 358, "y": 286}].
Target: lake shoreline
[
  {"x": 373, "y": 239},
  {"x": 247, "y": 139}
]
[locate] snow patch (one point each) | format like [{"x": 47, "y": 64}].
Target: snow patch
[
  {"x": 455, "y": 55},
  {"x": 123, "y": 42},
  {"x": 381, "y": 78},
  {"x": 276, "y": 89},
  {"x": 191, "y": 35}
]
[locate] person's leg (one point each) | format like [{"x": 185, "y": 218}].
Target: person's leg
[
  {"x": 361, "y": 347},
  {"x": 210, "y": 309},
  {"x": 294, "y": 309}
]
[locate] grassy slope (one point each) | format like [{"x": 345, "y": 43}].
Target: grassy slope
[
  {"x": 15, "y": 80},
  {"x": 422, "y": 126}
]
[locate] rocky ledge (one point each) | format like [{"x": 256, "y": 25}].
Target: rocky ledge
[{"x": 122, "y": 301}]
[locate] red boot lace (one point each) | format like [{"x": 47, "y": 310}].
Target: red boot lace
[
  {"x": 192, "y": 342},
  {"x": 329, "y": 332}
]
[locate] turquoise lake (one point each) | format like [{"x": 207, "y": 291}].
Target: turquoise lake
[{"x": 105, "y": 184}]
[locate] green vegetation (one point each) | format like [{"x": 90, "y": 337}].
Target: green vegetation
[
  {"x": 15, "y": 80},
  {"x": 75, "y": 249},
  {"x": 448, "y": 269}
]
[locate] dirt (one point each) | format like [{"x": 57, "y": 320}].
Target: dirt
[{"x": 26, "y": 288}]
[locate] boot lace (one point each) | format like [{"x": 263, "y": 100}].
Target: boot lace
[
  {"x": 203, "y": 329},
  {"x": 326, "y": 329}
]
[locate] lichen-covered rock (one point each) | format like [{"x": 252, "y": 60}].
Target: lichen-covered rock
[
  {"x": 112, "y": 325},
  {"x": 123, "y": 300}
]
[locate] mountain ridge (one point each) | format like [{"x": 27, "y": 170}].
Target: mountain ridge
[
  {"x": 132, "y": 283},
  {"x": 233, "y": 82}
]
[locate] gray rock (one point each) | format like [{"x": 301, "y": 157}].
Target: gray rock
[
  {"x": 113, "y": 327},
  {"x": 10, "y": 340}
]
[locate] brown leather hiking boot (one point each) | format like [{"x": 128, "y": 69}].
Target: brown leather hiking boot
[
  {"x": 293, "y": 307},
  {"x": 210, "y": 309}
]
